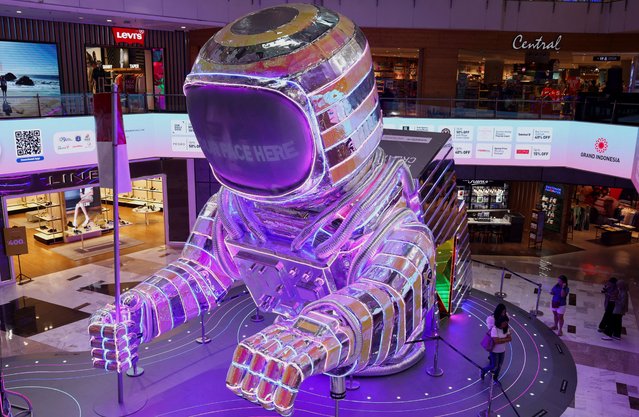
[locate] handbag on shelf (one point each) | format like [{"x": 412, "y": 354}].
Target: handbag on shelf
[{"x": 488, "y": 342}]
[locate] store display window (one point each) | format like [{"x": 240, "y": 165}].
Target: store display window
[
  {"x": 483, "y": 194},
  {"x": 550, "y": 76},
  {"x": 71, "y": 224},
  {"x": 396, "y": 75},
  {"x": 138, "y": 73},
  {"x": 552, "y": 202}
]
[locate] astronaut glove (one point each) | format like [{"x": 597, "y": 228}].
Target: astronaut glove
[{"x": 114, "y": 345}]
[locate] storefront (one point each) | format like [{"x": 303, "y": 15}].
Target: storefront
[
  {"x": 553, "y": 74},
  {"x": 396, "y": 72},
  {"x": 76, "y": 60},
  {"x": 67, "y": 217},
  {"x": 465, "y": 64},
  {"x": 137, "y": 71}
]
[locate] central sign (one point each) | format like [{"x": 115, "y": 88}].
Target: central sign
[
  {"x": 538, "y": 44},
  {"x": 130, "y": 36}
]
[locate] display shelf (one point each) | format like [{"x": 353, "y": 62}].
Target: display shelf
[
  {"x": 48, "y": 238},
  {"x": 143, "y": 192},
  {"x": 536, "y": 234},
  {"x": 133, "y": 202}
]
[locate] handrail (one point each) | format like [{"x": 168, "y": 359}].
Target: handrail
[
  {"x": 538, "y": 284},
  {"x": 596, "y": 108}
]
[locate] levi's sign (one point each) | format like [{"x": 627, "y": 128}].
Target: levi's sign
[
  {"x": 130, "y": 36},
  {"x": 538, "y": 44}
]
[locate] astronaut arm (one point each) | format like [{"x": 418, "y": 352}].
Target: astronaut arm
[
  {"x": 184, "y": 289},
  {"x": 383, "y": 305},
  {"x": 360, "y": 325}
]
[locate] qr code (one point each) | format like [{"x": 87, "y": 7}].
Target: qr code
[{"x": 28, "y": 142}]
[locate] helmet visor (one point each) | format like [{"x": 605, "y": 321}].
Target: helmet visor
[{"x": 257, "y": 141}]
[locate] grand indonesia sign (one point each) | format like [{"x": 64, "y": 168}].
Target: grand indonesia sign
[{"x": 538, "y": 44}]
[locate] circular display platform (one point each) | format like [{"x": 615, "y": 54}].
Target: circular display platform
[{"x": 184, "y": 378}]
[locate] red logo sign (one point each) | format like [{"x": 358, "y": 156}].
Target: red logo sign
[
  {"x": 523, "y": 151},
  {"x": 130, "y": 36},
  {"x": 601, "y": 145}
]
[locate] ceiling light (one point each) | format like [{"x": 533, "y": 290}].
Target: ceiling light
[
  {"x": 19, "y": 11},
  {"x": 81, "y": 18},
  {"x": 182, "y": 27},
  {"x": 109, "y": 20}
]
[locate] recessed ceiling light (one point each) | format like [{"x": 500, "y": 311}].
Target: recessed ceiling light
[
  {"x": 19, "y": 11},
  {"x": 109, "y": 20},
  {"x": 182, "y": 27},
  {"x": 81, "y": 18}
]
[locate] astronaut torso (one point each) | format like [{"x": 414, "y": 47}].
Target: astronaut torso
[{"x": 291, "y": 265}]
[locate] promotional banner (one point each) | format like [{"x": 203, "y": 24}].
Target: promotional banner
[
  {"x": 595, "y": 147},
  {"x": 49, "y": 144},
  {"x": 15, "y": 241}
]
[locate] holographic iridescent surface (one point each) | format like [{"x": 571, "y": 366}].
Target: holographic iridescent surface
[{"x": 320, "y": 225}]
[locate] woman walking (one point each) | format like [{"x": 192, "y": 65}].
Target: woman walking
[
  {"x": 501, "y": 336},
  {"x": 558, "y": 305}
]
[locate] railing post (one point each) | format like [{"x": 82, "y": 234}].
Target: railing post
[
  {"x": 614, "y": 111},
  {"x": 501, "y": 293},
  {"x": 435, "y": 370},
  {"x": 489, "y": 412},
  {"x": 541, "y": 108}
]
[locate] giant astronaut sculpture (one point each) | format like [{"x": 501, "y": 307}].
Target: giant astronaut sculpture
[{"x": 322, "y": 228}]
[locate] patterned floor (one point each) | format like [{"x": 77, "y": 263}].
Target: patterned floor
[{"x": 608, "y": 372}]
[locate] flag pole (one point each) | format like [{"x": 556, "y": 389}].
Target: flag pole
[{"x": 116, "y": 230}]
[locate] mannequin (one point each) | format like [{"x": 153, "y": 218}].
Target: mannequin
[{"x": 86, "y": 198}]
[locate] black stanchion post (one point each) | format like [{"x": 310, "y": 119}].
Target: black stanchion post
[
  {"x": 501, "y": 293},
  {"x": 536, "y": 312},
  {"x": 351, "y": 384},
  {"x": 135, "y": 372},
  {"x": 257, "y": 317},
  {"x": 435, "y": 370},
  {"x": 488, "y": 412},
  {"x": 203, "y": 340}
]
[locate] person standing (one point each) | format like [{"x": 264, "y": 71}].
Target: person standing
[
  {"x": 611, "y": 294},
  {"x": 621, "y": 307},
  {"x": 501, "y": 336},
  {"x": 558, "y": 305},
  {"x": 3, "y": 86}
]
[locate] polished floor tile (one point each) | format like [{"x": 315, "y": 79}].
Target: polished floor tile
[{"x": 26, "y": 316}]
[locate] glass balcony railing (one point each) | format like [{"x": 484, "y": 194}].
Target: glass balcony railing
[{"x": 594, "y": 108}]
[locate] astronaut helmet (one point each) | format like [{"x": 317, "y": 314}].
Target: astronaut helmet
[{"x": 284, "y": 103}]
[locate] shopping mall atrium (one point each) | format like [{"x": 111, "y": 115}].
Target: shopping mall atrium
[{"x": 319, "y": 208}]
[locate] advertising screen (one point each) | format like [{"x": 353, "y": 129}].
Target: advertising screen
[
  {"x": 28, "y": 70},
  {"x": 595, "y": 147},
  {"x": 49, "y": 144}
]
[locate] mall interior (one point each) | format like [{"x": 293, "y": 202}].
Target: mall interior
[{"x": 518, "y": 125}]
